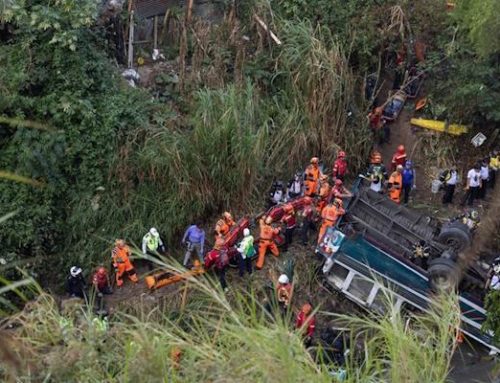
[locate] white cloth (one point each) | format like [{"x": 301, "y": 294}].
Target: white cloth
[
  {"x": 453, "y": 178},
  {"x": 278, "y": 196},
  {"x": 495, "y": 282},
  {"x": 474, "y": 177},
  {"x": 485, "y": 173},
  {"x": 296, "y": 187},
  {"x": 376, "y": 186}
]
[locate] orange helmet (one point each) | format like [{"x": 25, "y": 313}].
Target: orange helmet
[
  {"x": 227, "y": 215},
  {"x": 306, "y": 308},
  {"x": 375, "y": 157},
  {"x": 338, "y": 182},
  {"x": 268, "y": 220},
  {"x": 401, "y": 149},
  {"x": 101, "y": 270},
  {"x": 120, "y": 243},
  {"x": 288, "y": 208},
  {"x": 307, "y": 200},
  {"x": 341, "y": 154},
  {"x": 314, "y": 160}
]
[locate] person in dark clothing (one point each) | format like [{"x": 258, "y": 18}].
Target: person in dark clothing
[
  {"x": 307, "y": 222},
  {"x": 221, "y": 267},
  {"x": 449, "y": 178},
  {"x": 75, "y": 284},
  {"x": 290, "y": 222},
  {"x": 409, "y": 179}
]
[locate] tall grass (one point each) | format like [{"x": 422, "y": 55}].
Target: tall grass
[{"x": 221, "y": 339}]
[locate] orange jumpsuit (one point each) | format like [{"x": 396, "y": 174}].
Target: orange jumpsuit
[
  {"x": 396, "y": 180},
  {"x": 330, "y": 215},
  {"x": 223, "y": 226},
  {"x": 267, "y": 232},
  {"x": 122, "y": 264},
  {"x": 311, "y": 181},
  {"x": 324, "y": 194}
]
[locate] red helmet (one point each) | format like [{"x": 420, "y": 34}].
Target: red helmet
[
  {"x": 101, "y": 270},
  {"x": 401, "y": 149},
  {"x": 338, "y": 182},
  {"x": 306, "y": 308},
  {"x": 341, "y": 154}
]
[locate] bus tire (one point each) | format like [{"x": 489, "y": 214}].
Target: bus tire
[
  {"x": 455, "y": 237},
  {"x": 444, "y": 274}
]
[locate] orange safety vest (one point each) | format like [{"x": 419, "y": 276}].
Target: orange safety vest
[
  {"x": 222, "y": 227},
  {"x": 396, "y": 180},
  {"x": 120, "y": 255},
  {"x": 330, "y": 213},
  {"x": 267, "y": 232},
  {"x": 312, "y": 173}
]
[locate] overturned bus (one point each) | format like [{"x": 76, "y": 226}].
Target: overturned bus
[{"x": 380, "y": 248}]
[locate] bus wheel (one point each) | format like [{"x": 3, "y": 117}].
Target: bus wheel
[
  {"x": 444, "y": 274},
  {"x": 455, "y": 237}
]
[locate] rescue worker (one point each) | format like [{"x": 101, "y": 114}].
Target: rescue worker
[
  {"x": 494, "y": 166},
  {"x": 330, "y": 215},
  {"x": 307, "y": 220},
  {"x": 395, "y": 184},
  {"x": 100, "y": 281},
  {"x": 276, "y": 194},
  {"x": 377, "y": 172},
  {"x": 377, "y": 124},
  {"x": 408, "y": 180},
  {"x": 267, "y": 233},
  {"x": 224, "y": 224},
  {"x": 306, "y": 322},
  {"x": 399, "y": 158},
  {"x": 311, "y": 177},
  {"x": 324, "y": 192},
  {"x": 449, "y": 179},
  {"x": 75, "y": 284},
  {"x": 339, "y": 191},
  {"x": 485, "y": 177},
  {"x": 121, "y": 262},
  {"x": 246, "y": 252},
  {"x": 294, "y": 188},
  {"x": 152, "y": 245},
  {"x": 194, "y": 238},
  {"x": 290, "y": 221},
  {"x": 221, "y": 265},
  {"x": 284, "y": 292},
  {"x": 340, "y": 166}
]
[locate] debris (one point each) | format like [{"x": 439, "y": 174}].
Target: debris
[
  {"x": 264, "y": 26},
  {"x": 131, "y": 76},
  {"x": 478, "y": 139},
  {"x": 440, "y": 126},
  {"x": 157, "y": 55}
]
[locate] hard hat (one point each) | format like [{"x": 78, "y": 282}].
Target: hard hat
[
  {"x": 283, "y": 279},
  {"x": 399, "y": 167},
  {"x": 227, "y": 215},
  {"x": 314, "y": 160},
  {"x": 341, "y": 154},
  {"x": 74, "y": 271},
  {"x": 307, "y": 200},
  {"x": 154, "y": 232},
  {"x": 120, "y": 242},
  {"x": 269, "y": 220},
  {"x": 338, "y": 182},
  {"x": 401, "y": 149},
  {"x": 246, "y": 232},
  {"x": 306, "y": 308},
  {"x": 101, "y": 270}
]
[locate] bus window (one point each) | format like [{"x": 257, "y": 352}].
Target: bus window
[
  {"x": 338, "y": 275},
  {"x": 382, "y": 301},
  {"x": 360, "y": 287}
]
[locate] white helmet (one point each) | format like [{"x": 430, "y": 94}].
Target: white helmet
[
  {"x": 246, "y": 232},
  {"x": 74, "y": 271},
  {"x": 283, "y": 279},
  {"x": 154, "y": 232}
]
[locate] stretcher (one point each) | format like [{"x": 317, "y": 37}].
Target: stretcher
[
  {"x": 394, "y": 106},
  {"x": 440, "y": 126},
  {"x": 165, "y": 278}
]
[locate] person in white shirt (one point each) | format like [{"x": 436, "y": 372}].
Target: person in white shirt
[
  {"x": 473, "y": 184},
  {"x": 485, "y": 176}
]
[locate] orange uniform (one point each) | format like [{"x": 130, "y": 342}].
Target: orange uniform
[
  {"x": 122, "y": 264},
  {"x": 224, "y": 224},
  {"x": 324, "y": 194},
  {"x": 267, "y": 232},
  {"x": 330, "y": 215},
  {"x": 395, "y": 182},
  {"x": 311, "y": 182}
]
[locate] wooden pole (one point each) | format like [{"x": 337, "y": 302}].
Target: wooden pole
[
  {"x": 130, "y": 59},
  {"x": 189, "y": 12},
  {"x": 155, "y": 32}
]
